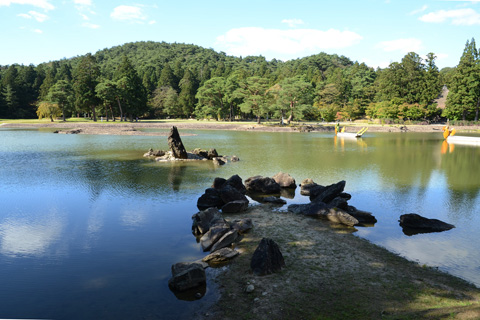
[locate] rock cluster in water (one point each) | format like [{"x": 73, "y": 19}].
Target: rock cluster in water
[
  {"x": 219, "y": 236},
  {"x": 177, "y": 152}
]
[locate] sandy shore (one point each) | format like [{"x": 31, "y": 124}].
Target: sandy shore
[{"x": 137, "y": 128}]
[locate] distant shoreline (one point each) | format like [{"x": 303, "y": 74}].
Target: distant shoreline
[{"x": 136, "y": 128}]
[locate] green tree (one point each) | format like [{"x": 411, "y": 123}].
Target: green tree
[
  {"x": 253, "y": 92},
  {"x": 294, "y": 96},
  {"x": 188, "y": 90},
  {"x": 212, "y": 99},
  {"x": 85, "y": 81},
  {"x": 61, "y": 93},
  {"x": 165, "y": 102},
  {"x": 132, "y": 92},
  {"x": 464, "y": 96},
  {"x": 109, "y": 95},
  {"x": 48, "y": 109}
]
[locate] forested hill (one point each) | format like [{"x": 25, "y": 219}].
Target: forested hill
[{"x": 158, "y": 79}]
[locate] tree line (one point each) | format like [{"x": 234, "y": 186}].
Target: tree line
[{"x": 161, "y": 80}]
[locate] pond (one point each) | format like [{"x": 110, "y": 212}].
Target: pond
[{"x": 89, "y": 228}]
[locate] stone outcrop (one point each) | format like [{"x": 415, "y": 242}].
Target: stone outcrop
[
  {"x": 413, "y": 223},
  {"x": 260, "y": 184},
  {"x": 285, "y": 180},
  {"x": 187, "y": 275},
  {"x": 267, "y": 258},
  {"x": 228, "y": 195},
  {"x": 175, "y": 144},
  {"x": 220, "y": 256},
  {"x": 330, "y": 202}
]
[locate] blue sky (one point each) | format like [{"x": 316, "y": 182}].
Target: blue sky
[{"x": 376, "y": 32}]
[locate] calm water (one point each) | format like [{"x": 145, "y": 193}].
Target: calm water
[{"x": 90, "y": 229}]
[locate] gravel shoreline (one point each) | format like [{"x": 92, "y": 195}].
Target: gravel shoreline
[{"x": 135, "y": 128}]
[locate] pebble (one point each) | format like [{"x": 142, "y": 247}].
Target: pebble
[{"x": 250, "y": 288}]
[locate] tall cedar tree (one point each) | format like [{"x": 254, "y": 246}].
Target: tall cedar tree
[
  {"x": 85, "y": 80},
  {"x": 132, "y": 92}
]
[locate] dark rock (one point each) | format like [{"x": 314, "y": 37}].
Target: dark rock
[
  {"x": 242, "y": 225},
  {"x": 221, "y": 255},
  {"x": 203, "y": 220},
  {"x": 261, "y": 184},
  {"x": 236, "y": 182},
  {"x": 275, "y": 200},
  {"x": 346, "y": 196},
  {"x": 339, "y": 202},
  {"x": 305, "y": 189},
  {"x": 328, "y": 193},
  {"x": 211, "y": 198},
  {"x": 175, "y": 144},
  {"x": 226, "y": 240},
  {"x": 229, "y": 193},
  {"x": 363, "y": 217},
  {"x": 211, "y": 154},
  {"x": 234, "y": 159},
  {"x": 218, "y": 183},
  {"x": 215, "y": 232},
  {"x": 218, "y": 161},
  {"x": 413, "y": 223},
  {"x": 235, "y": 206},
  {"x": 187, "y": 275},
  {"x": 285, "y": 180},
  {"x": 267, "y": 258},
  {"x": 201, "y": 153},
  {"x": 312, "y": 209}
]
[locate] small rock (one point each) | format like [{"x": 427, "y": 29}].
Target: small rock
[{"x": 250, "y": 288}]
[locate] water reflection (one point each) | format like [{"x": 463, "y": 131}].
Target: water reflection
[{"x": 36, "y": 237}]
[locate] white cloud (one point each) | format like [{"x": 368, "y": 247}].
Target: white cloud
[
  {"x": 44, "y": 4},
  {"x": 90, "y": 25},
  {"x": 467, "y": 17},
  {"x": 422, "y": 9},
  {"x": 40, "y": 17},
  {"x": 152, "y": 22},
  {"x": 84, "y": 16},
  {"x": 401, "y": 45},
  {"x": 128, "y": 13},
  {"x": 83, "y": 2},
  {"x": 38, "y": 31},
  {"x": 293, "y": 22},
  {"x": 284, "y": 44},
  {"x": 24, "y": 15}
]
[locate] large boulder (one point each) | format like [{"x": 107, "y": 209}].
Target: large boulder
[
  {"x": 225, "y": 241},
  {"x": 413, "y": 223},
  {"x": 259, "y": 184},
  {"x": 203, "y": 220},
  {"x": 267, "y": 258},
  {"x": 211, "y": 198},
  {"x": 236, "y": 182},
  {"x": 312, "y": 209},
  {"x": 221, "y": 255},
  {"x": 235, "y": 206},
  {"x": 187, "y": 275},
  {"x": 229, "y": 193},
  {"x": 285, "y": 180},
  {"x": 175, "y": 144},
  {"x": 242, "y": 225},
  {"x": 328, "y": 193},
  {"x": 340, "y": 216},
  {"x": 214, "y": 234}
]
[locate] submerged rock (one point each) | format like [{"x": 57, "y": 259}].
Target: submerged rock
[
  {"x": 413, "y": 223},
  {"x": 187, "y": 275}
]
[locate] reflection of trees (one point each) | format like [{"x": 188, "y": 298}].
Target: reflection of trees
[
  {"x": 139, "y": 176},
  {"x": 462, "y": 175}
]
